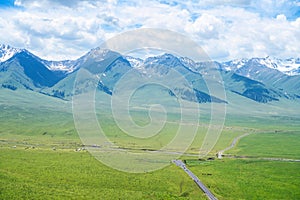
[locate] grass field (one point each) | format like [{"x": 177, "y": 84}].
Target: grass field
[
  {"x": 255, "y": 177},
  {"x": 249, "y": 179},
  {"x": 43, "y": 173},
  {"x": 273, "y": 145},
  {"x": 47, "y": 174}
]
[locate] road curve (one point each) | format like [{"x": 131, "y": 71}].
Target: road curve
[
  {"x": 235, "y": 140},
  {"x": 180, "y": 164}
]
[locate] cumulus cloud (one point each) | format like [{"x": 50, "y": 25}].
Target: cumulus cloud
[
  {"x": 226, "y": 29},
  {"x": 206, "y": 27}
]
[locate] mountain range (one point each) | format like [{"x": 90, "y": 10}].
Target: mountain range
[{"x": 262, "y": 80}]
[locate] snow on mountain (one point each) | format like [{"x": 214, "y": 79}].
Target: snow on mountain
[
  {"x": 99, "y": 54},
  {"x": 67, "y": 66},
  {"x": 135, "y": 62},
  {"x": 290, "y": 67},
  {"x": 6, "y": 52},
  {"x": 189, "y": 63},
  {"x": 164, "y": 59}
]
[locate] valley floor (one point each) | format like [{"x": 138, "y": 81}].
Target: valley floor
[
  {"x": 41, "y": 157},
  {"x": 44, "y": 172}
]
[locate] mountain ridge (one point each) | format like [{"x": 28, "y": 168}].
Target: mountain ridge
[
  {"x": 248, "y": 78},
  {"x": 289, "y": 66}
]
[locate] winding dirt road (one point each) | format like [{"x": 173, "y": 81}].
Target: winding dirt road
[{"x": 235, "y": 140}]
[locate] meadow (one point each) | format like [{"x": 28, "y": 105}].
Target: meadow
[
  {"x": 38, "y": 158},
  {"x": 251, "y": 173},
  {"x": 65, "y": 174},
  {"x": 270, "y": 145},
  {"x": 249, "y": 178}
]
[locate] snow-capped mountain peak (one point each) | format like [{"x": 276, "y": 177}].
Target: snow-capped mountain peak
[
  {"x": 135, "y": 62},
  {"x": 6, "y": 52},
  {"x": 290, "y": 67}
]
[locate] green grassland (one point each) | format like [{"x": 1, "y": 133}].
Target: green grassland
[
  {"x": 46, "y": 174},
  {"x": 269, "y": 145},
  {"x": 249, "y": 178},
  {"x": 32, "y": 124},
  {"x": 255, "y": 177}
]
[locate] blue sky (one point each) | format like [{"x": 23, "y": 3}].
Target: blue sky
[
  {"x": 6, "y": 3},
  {"x": 225, "y": 29}
]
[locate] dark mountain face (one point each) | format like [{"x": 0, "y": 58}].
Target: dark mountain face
[
  {"x": 36, "y": 71},
  {"x": 27, "y": 70},
  {"x": 254, "y": 90}
]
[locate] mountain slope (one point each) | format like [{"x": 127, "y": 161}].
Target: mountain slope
[
  {"x": 24, "y": 70},
  {"x": 107, "y": 65},
  {"x": 267, "y": 72}
]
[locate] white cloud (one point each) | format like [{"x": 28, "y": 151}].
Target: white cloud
[
  {"x": 206, "y": 26},
  {"x": 18, "y": 3},
  {"x": 248, "y": 34},
  {"x": 281, "y": 17},
  {"x": 296, "y": 23},
  {"x": 226, "y": 29}
]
